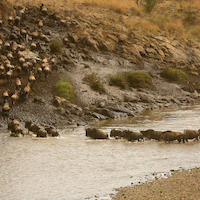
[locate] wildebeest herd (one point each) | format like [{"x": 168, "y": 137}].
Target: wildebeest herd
[
  {"x": 16, "y": 130},
  {"x": 19, "y": 72},
  {"x": 150, "y": 134}
]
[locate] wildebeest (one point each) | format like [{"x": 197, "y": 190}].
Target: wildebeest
[
  {"x": 151, "y": 134},
  {"x": 31, "y": 126},
  {"x": 18, "y": 70},
  {"x": 51, "y": 131},
  {"x": 15, "y": 129},
  {"x": 15, "y": 97},
  {"x": 5, "y": 95},
  {"x": 6, "y": 108},
  {"x": 41, "y": 133},
  {"x": 96, "y": 134},
  {"x": 132, "y": 136},
  {"x": 31, "y": 78},
  {"x": 47, "y": 71},
  {"x": 35, "y": 129},
  {"x": 18, "y": 84},
  {"x": 191, "y": 134},
  {"x": 27, "y": 90},
  {"x": 9, "y": 75},
  {"x": 116, "y": 133},
  {"x": 169, "y": 136}
]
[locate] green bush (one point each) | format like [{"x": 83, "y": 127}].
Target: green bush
[
  {"x": 176, "y": 75},
  {"x": 138, "y": 79},
  {"x": 149, "y": 5},
  {"x": 95, "y": 83},
  {"x": 56, "y": 46},
  {"x": 65, "y": 89},
  {"x": 119, "y": 80},
  {"x": 134, "y": 79}
]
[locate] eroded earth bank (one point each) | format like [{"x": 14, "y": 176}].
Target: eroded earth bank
[{"x": 91, "y": 45}]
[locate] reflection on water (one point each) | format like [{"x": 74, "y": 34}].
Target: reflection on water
[{"x": 75, "y": 167}]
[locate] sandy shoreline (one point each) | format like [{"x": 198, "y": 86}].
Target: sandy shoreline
[{"x": 183, "y": 185}]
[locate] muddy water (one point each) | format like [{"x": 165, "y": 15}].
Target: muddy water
[{"x": 74, "y": 167}]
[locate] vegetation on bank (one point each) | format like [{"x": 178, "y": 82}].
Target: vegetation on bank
[
  {"x": 56, "y": 46},
  {"x": 133, "y": 79},
  {"x": 95, "y": 83},
  {"x": 65, "y": 89},
  {"x": 178, "y": 19},
  {"x": 176, "y": 75}
]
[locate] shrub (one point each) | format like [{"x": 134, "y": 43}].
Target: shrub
[
  {"x": 56, "y": 46},
  {"x": 149, "y": 5},
  {"x": 134, "y": 79},
  {"x": 65, "y": 89},
  {"x": 138, "y": 79},
  {"x": 190, "y": 19},
  {"x": 119, "y": 80},
  {"x": 95, "y": 83},
  {"x": 176, "y": 75}
]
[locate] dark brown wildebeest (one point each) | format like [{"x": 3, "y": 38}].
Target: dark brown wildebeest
[
  {"x": 41, "y": 133},
  {"x": 15, "y": 129},
  {"x": 116, "y": 133},
  {"x": 191, "y": 134},
  {"x": 151, "y": 134},
  {"x": 132, "y": 136},
  {"x": 51, "y": 131},
  {"x": 96, "y": 134},
  {"x": 169, "y": 136},
  {"x": 31, "y": 127}
]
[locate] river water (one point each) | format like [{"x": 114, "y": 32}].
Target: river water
[{"x": 74, "y": 167}]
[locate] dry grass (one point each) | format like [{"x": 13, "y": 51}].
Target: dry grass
[{"x": 169, "y": 17}]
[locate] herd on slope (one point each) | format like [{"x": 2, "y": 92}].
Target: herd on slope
[{"x": 17, "y": 72}]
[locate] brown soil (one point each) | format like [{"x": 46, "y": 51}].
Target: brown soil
[{"x": 180, "y": 186}]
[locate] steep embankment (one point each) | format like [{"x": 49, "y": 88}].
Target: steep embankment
[{"x": 91, "y": 45}]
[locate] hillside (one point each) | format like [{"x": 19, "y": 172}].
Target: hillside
[{"x": 96, "y": 40}]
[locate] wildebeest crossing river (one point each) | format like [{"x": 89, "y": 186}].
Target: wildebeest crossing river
[{"x": 75, "y": 167}]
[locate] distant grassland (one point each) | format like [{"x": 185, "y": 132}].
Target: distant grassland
[{"x": 178, "y": 19}]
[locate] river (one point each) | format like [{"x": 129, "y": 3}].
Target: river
[{"x": 74, "y": 167}]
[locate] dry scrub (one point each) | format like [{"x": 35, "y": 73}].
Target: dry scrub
[{"x": 171, "y": 18}]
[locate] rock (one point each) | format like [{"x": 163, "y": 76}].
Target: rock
[
  {"x": 39, "y": 100},
  {"x": 28, "y": 55},
  {"x": 14, "y": 37},
  {"x": 99, "y": 116},
  {"x": 121, "y": 109},
  {"x": 151, "y": 51},
  {"x": 58, "y": 101},
  {"x": 106, "y": 46},
  {"x": 178, "y": 54},
  {"x": 104, "y": 111},
  {"x": 122, "y": 37},
  {"x": 146, "y": 98},
  {"x": 73, "y": 38},
  {"x": 114, "y": 38}
]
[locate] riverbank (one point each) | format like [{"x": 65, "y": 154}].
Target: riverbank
[
  {"x": 105, "y": 49},
  {"x": 180, "y": 186}
]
